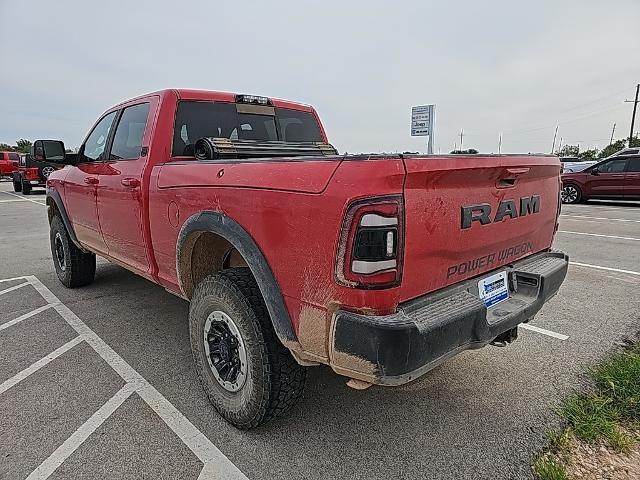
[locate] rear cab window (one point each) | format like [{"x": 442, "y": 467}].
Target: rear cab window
[{"x": 197, "y": 119}]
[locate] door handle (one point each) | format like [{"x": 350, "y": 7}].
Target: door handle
[
  {"x": 130, "y": 182},
  {"x": 91, "y": 180},
  {"x": 517, "y": 171},
  {"x": 510, "y": 177}
]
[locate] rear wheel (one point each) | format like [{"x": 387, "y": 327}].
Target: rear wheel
[
  {"x": 17, "y": 186},
  {"x": 248, "y": 375},
  {"x": 74, "y": 267},
  {"x": 26, "y": 188},
  {"x": 571, "y": 194}
]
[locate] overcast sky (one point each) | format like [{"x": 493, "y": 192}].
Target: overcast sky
[{"x": 513, "y": 66}]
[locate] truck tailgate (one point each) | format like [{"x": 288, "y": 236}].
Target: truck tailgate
[{"x": 467, "y": 215}]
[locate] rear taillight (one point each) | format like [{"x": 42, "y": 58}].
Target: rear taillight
[
  {"x": 371, "y": 244},
  {"x": 31, "y": 173}
]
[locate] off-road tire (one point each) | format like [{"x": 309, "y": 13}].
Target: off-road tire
[
  {"x": 79, "y": 267},
  {"x": 26, "y": 188},
  {"x": 274, "y": 381},
  {"x": 17, "y": 186}
]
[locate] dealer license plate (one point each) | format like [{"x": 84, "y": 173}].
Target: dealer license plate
[{"x": 493, "y": 289}]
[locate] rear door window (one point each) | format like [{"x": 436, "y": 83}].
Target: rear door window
[
  {"x": 14, "y": 157},
  {"x": 634, "y": 165},
  {"x": 127, "y": 141}
]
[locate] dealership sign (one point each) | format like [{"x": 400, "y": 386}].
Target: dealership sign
[{"x": 422, "y": 120}]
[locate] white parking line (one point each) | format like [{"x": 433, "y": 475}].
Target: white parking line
[
  {"x": 17, "y": 378},
  {"x": 599, "y": 235},
  {"x": 27, "y": 199},
  {"x": 212, "y": 458},
  {"x": 25, "y": 316},
  {"x": 11, "y": 279},
  {"x": 608, "y": 269},
  {"x": 15, "y": 287},
  {"x": 544, "y": 331},
  {"x": 71, "y": 444},
  {"x": 601, "y": 218}
]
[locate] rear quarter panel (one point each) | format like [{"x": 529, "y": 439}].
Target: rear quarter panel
[{"x": 295, "y": 217}]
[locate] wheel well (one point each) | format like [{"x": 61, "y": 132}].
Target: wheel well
[
  {"x": 202, "y": 254},
  {"x": 52, "y": 209}
]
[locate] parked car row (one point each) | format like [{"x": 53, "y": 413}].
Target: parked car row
[
  {"x": 615, "y": 177},
  {"x": 28, "y": 171}
]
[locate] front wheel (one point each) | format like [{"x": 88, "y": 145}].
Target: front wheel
[
  {"x": 571, "y": 194},
  {"x": 26, "y": 188},
  {"x": 74, "y": 267},
  {"x": 248, "y": 375},
  {"x": 17, "y": 186}
]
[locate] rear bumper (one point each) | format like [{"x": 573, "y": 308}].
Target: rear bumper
[{"x": 396, "y": 349}]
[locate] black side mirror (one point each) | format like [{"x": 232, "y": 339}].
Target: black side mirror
[
  {"x": 595, "y": 171},
  {"x": 50, "y": 151}
]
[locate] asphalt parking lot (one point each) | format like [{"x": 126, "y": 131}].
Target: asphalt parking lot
[{"x": 98, "y": 382}]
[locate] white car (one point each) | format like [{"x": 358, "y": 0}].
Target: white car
[{"x": 572, "y": 167}]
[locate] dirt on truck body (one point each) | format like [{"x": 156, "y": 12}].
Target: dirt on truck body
[{"x": 291, "y": 255}]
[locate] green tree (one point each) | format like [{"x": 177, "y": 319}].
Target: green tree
[
  {"x": 589, "y": 154},
  {"x": 613, "y": 148},
  {"x": 4, "y": 147},
  {"x": 23, "y": 146},
  {"x": 569, "y": 151}
]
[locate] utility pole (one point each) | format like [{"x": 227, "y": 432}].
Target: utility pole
[
  {"x": 612, "y": 132},
  {"x": 461, "y": 142},
  {"x": 633, "y": 115},
  {"x": 555, "y": 134},
  {"x": 500, "y": 143}
]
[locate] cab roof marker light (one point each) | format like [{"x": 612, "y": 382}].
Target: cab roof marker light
[{"x": 255, "y": 99}]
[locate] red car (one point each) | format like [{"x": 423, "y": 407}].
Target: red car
[
  {"x": 617, "y": 177},
  {"x": 9, "y": 162},
  {"x": 381, "y": 266}
]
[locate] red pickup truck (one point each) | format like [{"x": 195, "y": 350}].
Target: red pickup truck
[{"x": 381, "y": 266}]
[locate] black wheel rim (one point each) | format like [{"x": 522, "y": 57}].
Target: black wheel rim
[
  {"x": 225, "y": 351},
  {"x": 59, "y": 250}
]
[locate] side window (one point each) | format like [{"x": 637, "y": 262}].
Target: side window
[
  {"x": 127, "y": 141},
  {"x": 634, "y": 165},
  {"x": 97, "y": 139},
  {"x": 614, "y": 166}
]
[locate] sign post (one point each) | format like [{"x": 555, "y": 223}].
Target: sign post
[{"x": 422, "y": 120}]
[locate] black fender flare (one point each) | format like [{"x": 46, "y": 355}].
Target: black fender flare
[
  {"x": 234, "y": 233},
  {"x": 57, "y": 200}
]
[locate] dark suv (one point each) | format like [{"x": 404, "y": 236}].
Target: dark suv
[
  {"x": 616, "y": 177},
  {"x": 33, "y": 171}
]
